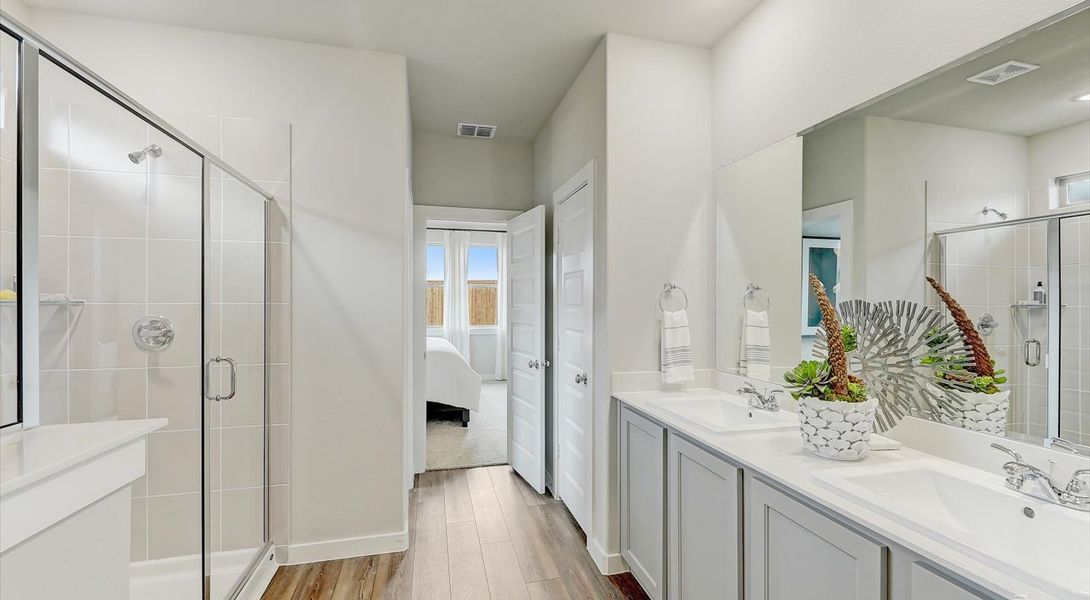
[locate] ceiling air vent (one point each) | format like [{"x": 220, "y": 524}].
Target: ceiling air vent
[
  {"x": 474, "y": 130},
  {"x": 1004, "y": 72}
]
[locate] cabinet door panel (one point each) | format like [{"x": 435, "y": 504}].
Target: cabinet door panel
[
  {"x": 643, "y": 513},
  {"x": 704, "y": 510},
  {"x": 795, "y": 552},
  {"x": 929, "y": 585},
  {"x": 911, "y": 577}
]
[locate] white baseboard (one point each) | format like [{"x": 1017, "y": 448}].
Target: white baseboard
[
  {"x": 608, "y": 564},
  {"x": 347, "y": 548}
]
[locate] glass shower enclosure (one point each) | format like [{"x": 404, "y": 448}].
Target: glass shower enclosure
[
  {"x": 138, "y": 260},
  {"x": 1026, "y": 284}
]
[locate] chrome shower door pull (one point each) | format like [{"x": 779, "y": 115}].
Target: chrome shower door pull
[
  {"x": 1031, "y": 351},
  {"x": 207, "y": 377}
]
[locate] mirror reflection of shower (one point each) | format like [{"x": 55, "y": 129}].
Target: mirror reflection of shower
[
  {"x": 984, "y": 211},
  {"x": 152, "y": 150}
]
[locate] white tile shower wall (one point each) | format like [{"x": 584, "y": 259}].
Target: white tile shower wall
[
  {"x": 1075, "y": 329},
  {"x": 125, "y": 239}
]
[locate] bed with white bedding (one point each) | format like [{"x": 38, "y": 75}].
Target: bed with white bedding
[{"x": 450, "y": 380}]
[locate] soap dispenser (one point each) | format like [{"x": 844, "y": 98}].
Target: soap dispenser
[{"x": 1039, "y": 293}]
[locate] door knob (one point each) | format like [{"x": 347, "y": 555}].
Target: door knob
[
  {"x": 545, "y": 364},
  {"x": 581, "y": 378},
  {"x": 533, "y": 364}
]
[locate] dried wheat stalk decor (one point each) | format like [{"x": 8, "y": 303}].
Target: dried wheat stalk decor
[
  {"x": 838, "y": 358},
  {"x": 982, "y": 361}
]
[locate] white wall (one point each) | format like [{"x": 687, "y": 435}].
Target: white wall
[
  {"x": 659, "y": 218},
  {"x": 350, "y": 149},
  {"x": 793, "y": 63},
  {"x": 1053, "y": 154},
  {"x": 574, "y": 135},
  {"x": 659, "y": 191},
  {"x": 453, "y": 171},
  {"x": 17, "y": 10}
]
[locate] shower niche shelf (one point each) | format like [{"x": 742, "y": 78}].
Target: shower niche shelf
[
  {"x": 51, "y": 302},
  {"x": 1032, "y": 305}
]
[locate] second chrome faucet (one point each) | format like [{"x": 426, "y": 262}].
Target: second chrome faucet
[
  {"x": 758, "y": 400},
  {"x": 1032, "y": 481}
]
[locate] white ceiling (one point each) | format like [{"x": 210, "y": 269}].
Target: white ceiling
[
  {"x": 1033, "y": 103},
  {"x": 498, "y": 62}
]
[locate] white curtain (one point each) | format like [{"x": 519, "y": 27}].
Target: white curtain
[
  {"x": 501, "y": 306},
  {"x": 456, "y": 291}
]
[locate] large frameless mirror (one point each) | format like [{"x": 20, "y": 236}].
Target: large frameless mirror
[{"x": 977, "y": 176}]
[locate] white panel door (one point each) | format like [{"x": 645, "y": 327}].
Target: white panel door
[
  {"x": 574, "y": 228},
  {"x": 526, "y": 347}
]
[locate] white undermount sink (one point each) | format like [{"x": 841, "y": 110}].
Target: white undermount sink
[
  {"x": 723, "y": 413},
  {"x": 1045, "y": 545}
]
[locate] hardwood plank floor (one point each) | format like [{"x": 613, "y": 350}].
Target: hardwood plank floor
[{"x": 478, "y": 533}]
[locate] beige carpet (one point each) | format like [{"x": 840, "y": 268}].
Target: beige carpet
[{"x": 484, "y": 442}]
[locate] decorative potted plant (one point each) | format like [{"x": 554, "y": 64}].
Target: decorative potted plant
[
  {"x": 983, "y": 405},
  {"x": 835, "y": 415}
]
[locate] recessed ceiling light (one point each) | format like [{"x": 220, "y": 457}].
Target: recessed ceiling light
[{"x": 1082, "y": 98}]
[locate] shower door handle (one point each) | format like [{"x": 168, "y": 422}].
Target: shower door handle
[
  {"x": 234, "y": 377},
  {"x": 1032, "y": 357}
]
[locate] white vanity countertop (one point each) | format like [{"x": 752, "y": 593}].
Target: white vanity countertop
[
  {"x": 39, "y": 453},
  {"x": 778, "y": 456}
]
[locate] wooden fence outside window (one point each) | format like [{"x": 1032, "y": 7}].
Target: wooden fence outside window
[{"x": 482, "y": 302}]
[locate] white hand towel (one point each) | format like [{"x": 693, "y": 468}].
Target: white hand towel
[
  {"x": 756, "y": 346},
  {"x": 677, "y": 347}
]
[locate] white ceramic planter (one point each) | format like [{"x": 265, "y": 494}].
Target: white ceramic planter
[
  {"x": 837, "y": 430},
  {"x": 986, "y": 413}
]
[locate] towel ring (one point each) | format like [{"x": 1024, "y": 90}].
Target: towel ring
[
  {"x": 667, "y": 289},
  {"x": 754, "y": 291}
]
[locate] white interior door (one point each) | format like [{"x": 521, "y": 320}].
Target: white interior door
[
  {"x": 574, "y": 352},
  {"x": 526, "y": 347}
]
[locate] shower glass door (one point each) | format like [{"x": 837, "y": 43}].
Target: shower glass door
[{"x": 236, "y": 528}]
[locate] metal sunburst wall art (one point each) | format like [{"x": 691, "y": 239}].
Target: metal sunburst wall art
[{"x": 901, "y": 350}]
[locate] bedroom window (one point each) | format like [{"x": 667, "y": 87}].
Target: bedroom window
[
  {"x": 481, "y": 281},
  {"x": 436, "y": 269}
]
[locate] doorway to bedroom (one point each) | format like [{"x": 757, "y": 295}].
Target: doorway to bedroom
[{"x": 466, "y": 347}]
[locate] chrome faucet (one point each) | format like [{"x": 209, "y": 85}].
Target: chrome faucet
[
  {"x": 758, "y": 400},
  {"x": 1041, "y": 486},
  {"x": 1062, "y": 444}
]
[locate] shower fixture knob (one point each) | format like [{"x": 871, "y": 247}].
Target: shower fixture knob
[
  {"x": 987, "y": 324},
  {"x": 153, "y": 333}
]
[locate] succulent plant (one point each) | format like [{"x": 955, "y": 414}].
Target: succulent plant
[
  {"x": 811, "y": 378},
  {"x": 851, "y": 339}
]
